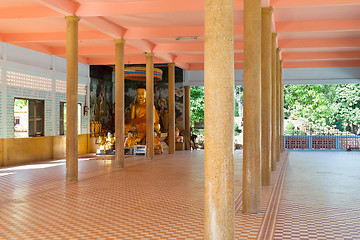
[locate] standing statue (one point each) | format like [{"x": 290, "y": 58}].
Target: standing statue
[{"x": 138, "y": 117}]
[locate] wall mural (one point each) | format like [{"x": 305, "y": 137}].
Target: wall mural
[
  {"x": 101, "y": 105},
  {"x": 161, "y": 96},
  {"x": 101, "y": 99}
]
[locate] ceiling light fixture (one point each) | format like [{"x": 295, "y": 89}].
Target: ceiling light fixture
[{"x": 187, "y": 38}]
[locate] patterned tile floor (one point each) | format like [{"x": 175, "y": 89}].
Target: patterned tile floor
[
  {"x": 321, "y": 197},
  {"x": 159, "y": 199}
]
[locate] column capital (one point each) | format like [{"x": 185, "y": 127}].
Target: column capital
[
  {"x": 274, "y": 34},
  {"x": 171, "y": 64},
  {"x": 72, "y": 18},
  {"x": 149, "y": 54},
  {"x": 281, "y": 62},
  {"x": 278, "y": 50},
  {"x": 119, "y": 40},
  {"x": 267, "y": 10}
]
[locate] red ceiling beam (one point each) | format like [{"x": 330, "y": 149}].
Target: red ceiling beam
[
  {"x": 51, "y": 36},
  {"x": 100, "y": 8},
  {"x": 39, "y": 47},
  {"x": 103, "y": 25},
  {"x": 173, "y": 32},
  {"x": 320, "y": 43},
  {"x": 319, "y": 25},
  {"x": 135, "y": 7},
  {"x": 195, "y": 46},
  {"x": 239, "y": 57},
  {"x": 303, "y": 3},
  {"x": 28, "y": 12},
  {"x": 65, "y": 7},
  {"x": 96, "y": 50},
  {"x": 127, "y": 60},
  {"x": 320, "y": 55},
  {"x": 200, "y": 66}
]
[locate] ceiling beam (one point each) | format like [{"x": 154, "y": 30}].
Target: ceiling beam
[
  {"x": 299, "y": 56},
  {"x": 100, "y": 8},
  {"x": 135, "y": 7},
  {"x": 127, "y": 60},
  {"x": 321, "y": 64},
  {"x": 39, "y": 47},
  {"x": 96, "y": 50},
  {"x": 65, "y": 7},
  {"x": 320, "y": 43},
  {"x": 50, "y": 36},
  {"x": 238, "y": 57},
  {"x": 28, "y": 12},
  {"x": 200, "y": 66},
  {"x": 173, "y": 32},
  {"x": 318, "y": 25},
  {"x": 103, "y": 25},
  {"x": 303, "y": 3},
  {"x": 142, "y": 44}
]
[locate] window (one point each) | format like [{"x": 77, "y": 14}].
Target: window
[
  {"x": 28, "y": 118},
  {"x": 63, "y": 118}
]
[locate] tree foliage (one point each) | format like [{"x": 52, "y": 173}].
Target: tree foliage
[
  {"x": 324, "y": 104},
  {"x": 197, "y": 104}
]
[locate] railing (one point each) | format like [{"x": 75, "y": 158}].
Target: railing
[{"x": 322, "y": 142}]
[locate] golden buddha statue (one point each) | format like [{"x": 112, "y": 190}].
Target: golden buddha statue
[
  {"x": 138, "y": 117},
  {"x": 130, "y": 140}
]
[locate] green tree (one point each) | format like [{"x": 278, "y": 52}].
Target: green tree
[
  {"x": 324, "y": 104},
  {"x": 197, "y": 104}
]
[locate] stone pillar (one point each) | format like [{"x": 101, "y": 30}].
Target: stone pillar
[
  {"x": 278, "y": 105},
  {"x": 273, "y": 102},
  {"x": 71, "y": 97},
  {"x": 219, "y": 218},
  {"x": 149, "y": 106},
  {"x": 281, "y": 107},
  {"x": 266, "y": 24},
  {"x": 187, "y": 137},
  {"x": 119, "y": 102},
  {"x": 171, "y": 67},
  {"x": 252, "y": 107}
]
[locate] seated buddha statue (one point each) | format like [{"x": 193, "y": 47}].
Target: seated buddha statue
[
  {"x": 130, "y": 140},
  {"x": 138, "y": 117}
]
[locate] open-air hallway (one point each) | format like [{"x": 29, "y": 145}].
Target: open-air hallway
[{"x": 164, "y": 199}]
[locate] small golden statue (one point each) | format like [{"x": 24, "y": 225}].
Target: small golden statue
[
  {"x": 130, "y": 140},
  {"x": 157, "y": 145}
]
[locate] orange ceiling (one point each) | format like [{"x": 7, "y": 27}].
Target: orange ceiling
[{"x": 311, "y": 33}]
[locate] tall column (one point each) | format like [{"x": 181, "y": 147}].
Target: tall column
[
  {"x": 119, "y": 102},
  {"x": 281, "y": 107},
  {"x": 149, "y": 106},
  {"x": 187, "y": 119},
  {"x": 273, "y": 102},
  {"x": 278, "y": 104},
  {"x": 266, "y": 22},
  {"x": 71, "y": 97},
  {"x": 171, "y": 67},
  {"x": 219, "y": 206},
  {"x": 252, "y": 107}
]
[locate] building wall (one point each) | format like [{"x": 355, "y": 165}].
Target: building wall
[{"x": 51, "y": 70}]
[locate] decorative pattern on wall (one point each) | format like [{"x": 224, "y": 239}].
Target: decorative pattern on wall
[
  {"x": 30, "y": 81},
  {"x": 61, "y": 87}
]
